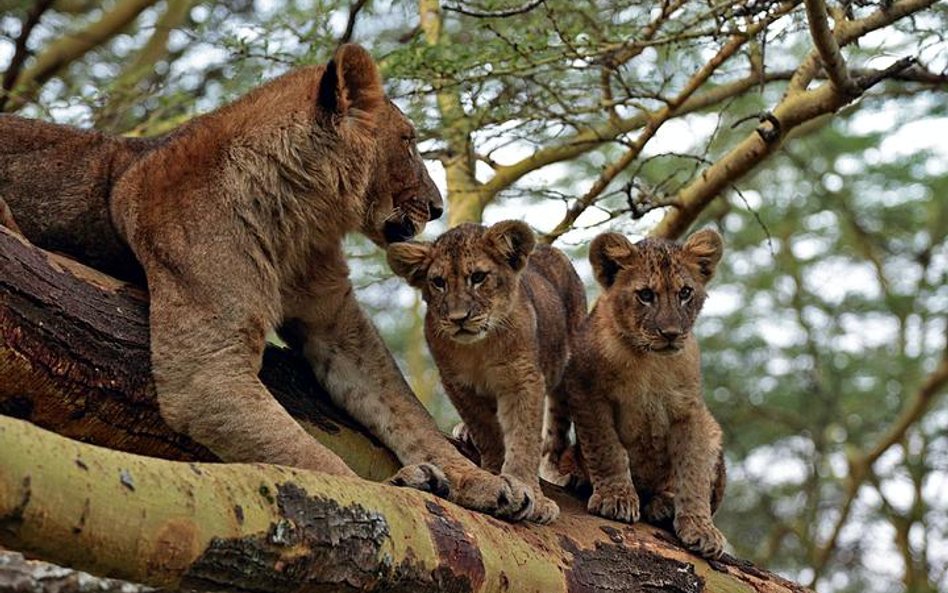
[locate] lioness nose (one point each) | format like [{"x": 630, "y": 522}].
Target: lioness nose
[{"x": 670, "y": 333}]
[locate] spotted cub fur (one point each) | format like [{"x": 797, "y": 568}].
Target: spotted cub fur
[
  {"x": 634, "y": 387},
  {"x": 501, "y": 316}
]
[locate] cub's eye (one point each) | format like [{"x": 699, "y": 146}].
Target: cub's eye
[
  {"x": 685, "y": 294},
  {"x": 478, "y": 277},
  {"x": 646, "y": 295},
  {"x": 438, "y": 282}
]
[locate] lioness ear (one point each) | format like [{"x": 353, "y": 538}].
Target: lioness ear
[
  {"x": 608, "y": 253},
  {"x": 410, "y": 261},
  {"x": 511, "y": 240},
  {"x": 705, "y": 249},
  {"x": 351, "y": 85}
]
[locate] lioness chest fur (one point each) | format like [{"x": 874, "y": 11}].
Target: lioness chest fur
[
  {"x": 634, "y": 387},
  {"x": 236, "y": 220},
  {"x": 500, "y": 320}
]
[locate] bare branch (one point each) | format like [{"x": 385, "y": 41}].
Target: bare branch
[
  {"x": 72, "y": 47},
  {"x": 826, "y": 45},
  {"x": 354, "y": 10},
  {"x": 495, "y": 13},
  {"x": 20, "y": 51}
]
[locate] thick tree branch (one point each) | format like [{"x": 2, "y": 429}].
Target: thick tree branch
[
  {"x": 269, "y": 528},
  {"x": 825, "y": 42}
]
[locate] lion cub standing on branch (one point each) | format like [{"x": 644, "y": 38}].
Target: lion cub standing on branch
[
  {"x": 634, "y": 387},
  {"x": 501, "y": 316},
  {"x": 236, "y": 220}
]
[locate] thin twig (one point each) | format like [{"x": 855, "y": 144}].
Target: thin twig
[
  {"x": 354, "y": 10},
  {"x": 21, "y": 52},
  {"x": 830, "y": 54},
  {"x": 495, "y": 13}
]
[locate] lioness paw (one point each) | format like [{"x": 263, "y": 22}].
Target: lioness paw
[
  {"x": 700, "y": 535},
  {"x": 422, "y": 476},
  {"x": 619, "y": 502}
]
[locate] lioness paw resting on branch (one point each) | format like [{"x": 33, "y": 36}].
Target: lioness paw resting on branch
[
  {"x": 634, "y": 388},
  {"x": 236, "y": 221},
  {"x": 500, "y": 318}
]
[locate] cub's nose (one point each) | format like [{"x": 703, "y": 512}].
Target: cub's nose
[
  {"x": 670, "y": 333},
  {"x": 459, "y": 317},
  {"x": 434, "y": 211}
]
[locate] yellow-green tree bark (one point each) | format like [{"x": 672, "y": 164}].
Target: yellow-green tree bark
[{"x": 268, "y": 528}]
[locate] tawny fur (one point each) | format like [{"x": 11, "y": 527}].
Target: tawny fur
[
  {"x": 500, "y": 320},
  {"x": 236, "y": 221},
  {"x": 634, "y": 387}
]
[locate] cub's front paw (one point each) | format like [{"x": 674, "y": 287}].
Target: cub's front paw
[
  {"x": 544, "y": 510},
  {"x": 660, "y": 508},
  {"x": 422, "y": 476},
  {"x": 502, "y": 496},
  {"x": 619, "y": 502},
  {"x": 700, "y": 535}
]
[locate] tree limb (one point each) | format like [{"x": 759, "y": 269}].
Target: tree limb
[
  {"x": 20, "y": 50},
  {"x": 825, "y": 42},
  {"x": 268, "y": 528}
]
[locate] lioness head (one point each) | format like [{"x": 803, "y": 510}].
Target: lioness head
[
  {"x": 401, "y": 197},
  {"x": 468, "y": 276},
  {"x": 654, "y": 289}
]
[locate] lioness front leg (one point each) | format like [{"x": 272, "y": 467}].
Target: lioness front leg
[
  {"x": 520, "y": 412},
  {"x": 695, "y": 445},
  {"x": 206, "y": 353},
  {"x": 6, "y": 218},
  {"x": 614, "y": 496},
  {"x": 349, "y": 358}
]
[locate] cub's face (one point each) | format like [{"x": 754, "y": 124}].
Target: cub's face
[
  {"x": 401, "y": 197},
  {"x": 468, "y": 277},
  {"x": 654, "y": 289}
]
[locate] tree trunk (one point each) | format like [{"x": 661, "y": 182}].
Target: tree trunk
[{"x": 74, "y": 359}]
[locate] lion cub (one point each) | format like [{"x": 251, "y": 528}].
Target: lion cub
[
  {"x": 634, "y": 387},
  {"x": 502, "y": 313}
]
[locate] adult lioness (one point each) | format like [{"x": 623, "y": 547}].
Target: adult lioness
[
  {"x": 634, "y": 387},
  {"x": 236, "y": 220},
  {"x": 501, "y": 317}
]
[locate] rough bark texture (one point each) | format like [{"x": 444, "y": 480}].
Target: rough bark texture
[
  {"x": 268, "y": 528},
  {"x": 74, "y": 359}
]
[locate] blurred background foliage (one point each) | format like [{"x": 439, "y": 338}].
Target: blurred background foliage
[{"x": 824, "y": 338}]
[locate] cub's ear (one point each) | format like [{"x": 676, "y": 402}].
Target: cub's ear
[
  {"x": 609, "y": 253},
  {"x": 410, "y": 261},
  {"x": 351, "y": 84},
  {"x": 704, "y": 249},
  {"x": 512, "y": 241}
]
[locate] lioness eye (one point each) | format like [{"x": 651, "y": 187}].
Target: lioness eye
[
  {"x": 645, "y": 295},
  {"x": 478, "y": 277},
  {"x": 685, "y": 294},
  {"x": 438, "y": 282}
]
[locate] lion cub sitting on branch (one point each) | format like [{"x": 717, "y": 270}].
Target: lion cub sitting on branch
[
  {"x": 501, "y": 315},
  {"x": 634, "y": 387}
]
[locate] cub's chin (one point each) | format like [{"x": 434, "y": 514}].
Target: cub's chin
[{"x": 468, "y": 337}]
